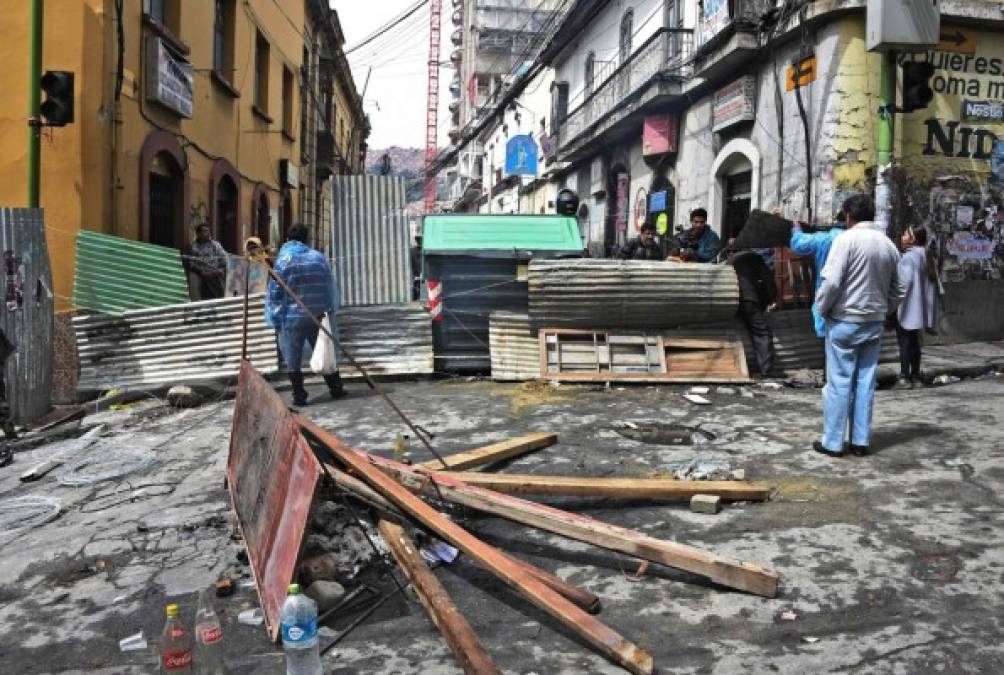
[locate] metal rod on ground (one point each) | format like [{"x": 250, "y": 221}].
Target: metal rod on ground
[
  {"x": 355, "y": 364},
  {"x": 355, "y": 624}
]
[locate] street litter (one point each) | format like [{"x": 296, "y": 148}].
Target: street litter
[
  {"x": 697, "y": 400},
  {"x": 133, "y": 642},
  {"x": 251, "y": 617},
  {"x": 699, "y": 390},
  {"x": 702, "y": 468},
  {"x": 789, "y": 615},
  {"x": 810, "y": 639},
  {"x": 439, "y": 552}
]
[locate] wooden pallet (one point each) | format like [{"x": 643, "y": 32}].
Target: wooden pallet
[{"x": 607, "y": 356}]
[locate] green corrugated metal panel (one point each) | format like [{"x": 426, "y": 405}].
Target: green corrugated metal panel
[
  {"x": 472, "y": 232},
  {"x": 115, "y": 274}
]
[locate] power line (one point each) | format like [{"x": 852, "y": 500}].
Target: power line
[{"x": 380, "y": 31}]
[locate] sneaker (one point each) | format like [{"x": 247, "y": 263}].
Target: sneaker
[
  {"x": 858, "y": 450},
  {"x": 821, "y": 449}
]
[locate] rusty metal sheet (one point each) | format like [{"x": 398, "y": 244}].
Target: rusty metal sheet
[{"x": 272, "y": 476}]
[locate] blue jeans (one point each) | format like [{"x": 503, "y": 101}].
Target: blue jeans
[
  {"x": 852, "y": 354},
  {"x": 291, "y": 341}
]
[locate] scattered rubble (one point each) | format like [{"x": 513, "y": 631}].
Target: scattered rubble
[
  {"x": 711, "y": 504},
  {"x": 183, "y": 396},
  {"x": 325, "y": 593}
]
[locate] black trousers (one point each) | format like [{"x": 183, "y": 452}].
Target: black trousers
[
  {"x": 760, "y": 335},
  {"x": 909, "y": 352}
]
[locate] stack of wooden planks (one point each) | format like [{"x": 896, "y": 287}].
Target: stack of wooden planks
[{"x": 394, "y": 490}]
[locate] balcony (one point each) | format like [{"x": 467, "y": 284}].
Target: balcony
[
  {"x": 724, "y": 48},
  {"x": 652, "y": 75},
  {"x": 327, "y": 155}
]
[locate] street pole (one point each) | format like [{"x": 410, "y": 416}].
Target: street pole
[
  {"x": 34, "y": 103},
  {"x": 886, "y": 127}
]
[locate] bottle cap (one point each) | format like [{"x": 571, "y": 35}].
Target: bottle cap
[
  {"x": 294, "y": 589},
  {"x": 172, "y": 610}
]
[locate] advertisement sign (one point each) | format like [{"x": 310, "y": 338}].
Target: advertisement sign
[
  {"x": 714, "y": 19},
  {"x": 521, "y": 156},
  {"x": 968, "y": 246},
  {"x": 997, "y": 164},
  {"x": 660, "y": 135},
  {"x": 169, "y": 78},
  {"x": 734, "y": 103},
  {"x": 640, "y": 208},
  {"x": 983, "y": 111},
  {"x": 662, "y": 224},
  {"x": 621, "y": 215}
]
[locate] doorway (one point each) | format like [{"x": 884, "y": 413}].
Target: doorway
[
  {"x": 262, "y": 219},
  {"x": 738, "y": 202},
  {"x": 226, "y": 214},
  {"x": 165, "y": 201}
]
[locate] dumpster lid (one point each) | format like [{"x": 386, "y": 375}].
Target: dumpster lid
[{"x": 476, "y": 234}]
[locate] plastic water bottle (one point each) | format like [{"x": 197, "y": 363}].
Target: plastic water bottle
[
  {"x": 299, "y": 634},
  {"x": 208, "y": 639},
  {"x": 175, "y": 645}
]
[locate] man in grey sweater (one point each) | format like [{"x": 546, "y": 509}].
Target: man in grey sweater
[{"x": 859, "y": 288}]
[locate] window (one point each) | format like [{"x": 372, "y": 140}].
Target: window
[
  {"x": 261, "y": 64},
  {"x": 674, "y": 20},
  {"x": 589, "y": 73},
  {"x": 482, "y": 89},
  {"x": 287, "y": 101},
  {"x": 559, "y": 104},
  {"x": 627, "y": 31},
  {"x": 165, "y": 14},
  {"x": 223, "y": 39}
]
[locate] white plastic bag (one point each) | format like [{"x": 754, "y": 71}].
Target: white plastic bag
[{"x": 324, "y": 359}]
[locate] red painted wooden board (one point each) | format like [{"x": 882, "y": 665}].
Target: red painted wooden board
[{"x": 272, "y": 475}]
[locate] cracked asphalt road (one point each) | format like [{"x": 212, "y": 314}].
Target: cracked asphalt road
[{"x": 890, "y": 563}]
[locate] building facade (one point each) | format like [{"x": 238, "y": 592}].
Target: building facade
[{"x": 186, "y": 113}]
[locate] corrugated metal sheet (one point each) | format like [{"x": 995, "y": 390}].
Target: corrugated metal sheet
[
  {"x": 501, "y": 233},
  {"x": 177, "y": 343},
  {"x": 515, "y": 348},
  {"x": 27, "y": 320},
  {"x": 272, "y": 478},
  {"x": 387, "y": 339},
  {"x": 370, "y": 240},
  {"x": 115, "y": 274},
  {"x": 589, "y": 293}
]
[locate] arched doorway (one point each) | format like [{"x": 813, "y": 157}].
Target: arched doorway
[
  {"x": 224, "y": 195},
  {"x": 735, "y": 187},
  {"x": 260, "y": 214},
  {"x": 163, "y": 191}
]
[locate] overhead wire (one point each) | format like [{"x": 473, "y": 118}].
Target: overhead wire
[{"x": 384, "y": 29}]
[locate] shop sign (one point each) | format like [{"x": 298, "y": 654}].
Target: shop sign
[
  {"x": 714, "y": 19},
  {"x": 660, "y": 135},
  {"x": 734, "y": 103},
  {"x": 521, "y": 156},
  {"x": 621, "y": 215},
  {"x": 968, "y": 246},
  {"x": 983, "y": 111},
  {"x": 169, "y": 78}
]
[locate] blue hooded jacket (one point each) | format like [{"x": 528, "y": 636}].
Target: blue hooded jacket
[
  {"x": 309, "y": 275},
  {"x": 816, "y": 244}
]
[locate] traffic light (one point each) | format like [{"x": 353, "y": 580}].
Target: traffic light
[
  {"x": 57, "y": 108},
  {"x": 917, "y": 92}
]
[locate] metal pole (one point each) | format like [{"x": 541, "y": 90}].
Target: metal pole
[
  {"x": 247, "y": 291},
  {"x": 887, "y": 107},
  {"x": 34, "y": 102}
]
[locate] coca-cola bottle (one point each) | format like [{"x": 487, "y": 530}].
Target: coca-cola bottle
[
  {"x": 175, "y": 645},
  {"x": 208, "y": 639}
]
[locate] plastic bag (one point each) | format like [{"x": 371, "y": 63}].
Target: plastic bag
[{"x": 324, "y": 359}]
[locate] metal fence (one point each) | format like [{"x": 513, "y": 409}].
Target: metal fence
[
  {"x": 387, "y": 340},
  {"x": 666, "y": 54},
  {"x": 27, "y": 321},
  {"x": 370, "y": 240}
]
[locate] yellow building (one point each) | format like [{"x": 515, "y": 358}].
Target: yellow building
[{"x": 187, "y": 112}]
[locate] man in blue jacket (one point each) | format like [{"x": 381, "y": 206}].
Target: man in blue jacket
[
  {"x": 817, "y": 244},
  {"x": 308, "y": 275}
]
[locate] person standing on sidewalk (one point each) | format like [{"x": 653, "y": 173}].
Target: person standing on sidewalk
[
  {"x": 308, "y": 275},
  {"x": 860, "y": 287},
  {"x": 918, "y": 272}
]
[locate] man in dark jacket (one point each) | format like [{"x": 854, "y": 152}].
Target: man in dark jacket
[
  {"x": 757, "y": 294},
  {"x": 642, "y": 247}
]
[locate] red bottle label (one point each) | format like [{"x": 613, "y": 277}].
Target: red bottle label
[
  {"x": 211, "y": 635},
  {"x": 178, "y": 661}
]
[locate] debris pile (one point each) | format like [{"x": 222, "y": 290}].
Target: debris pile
[{"x": 280, "y": 460}]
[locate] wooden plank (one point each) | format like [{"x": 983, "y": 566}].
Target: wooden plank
[
  {"x": 581, "y": 597},
  {"x": 743, "y": 576},
  {"x": 626, "y": 488},
  {"x": 495, "y": 453},
  {"x": 467, "y": 648},
  {"x": 607, "y": 641}
]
